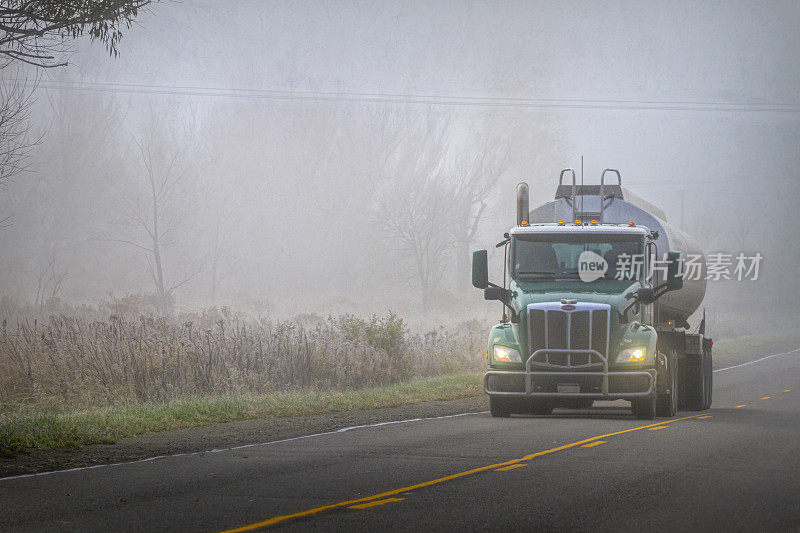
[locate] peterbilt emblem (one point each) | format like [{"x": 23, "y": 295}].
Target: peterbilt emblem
[{"x": 568, "y": 307}]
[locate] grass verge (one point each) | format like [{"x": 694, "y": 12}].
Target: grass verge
[{"x": 47, "y": 430}]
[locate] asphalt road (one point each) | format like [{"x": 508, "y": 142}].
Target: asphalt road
[{"x": 733, "y": 468}]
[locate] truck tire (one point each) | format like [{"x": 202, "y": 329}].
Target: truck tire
[
  {"x": 667, "y": 403},
  {"x": 499, "y": 407},
  {"x": 698, "y": 386},
  {"x": 683, "y": 382},
  {"x": 541, "y": 407},
  {"x": 645, "y": 408},
  {"x": 709, "y": 389}
]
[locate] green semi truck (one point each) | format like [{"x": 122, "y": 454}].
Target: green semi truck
[{"x": 596, "y": 303}]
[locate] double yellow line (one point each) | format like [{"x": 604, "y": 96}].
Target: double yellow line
[{"x": 282, "y": 518}]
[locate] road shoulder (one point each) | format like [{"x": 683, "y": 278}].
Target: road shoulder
[{"x": 198, "y": 439}]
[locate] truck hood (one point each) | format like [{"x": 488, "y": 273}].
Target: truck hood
[{"x": 611, "y": 292}]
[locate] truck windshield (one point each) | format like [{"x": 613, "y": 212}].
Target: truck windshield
[{"x": 556, "y": 256}]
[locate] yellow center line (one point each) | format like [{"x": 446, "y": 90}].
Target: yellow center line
[
  {"x": 766, "y": 397},
  {"x": 593, "y": 444},
  {"x": 788, "y": 390},
  {"x": 512, "y": 467},
  {"x": 740, "y": 406},
  {"x": 282, "y": 518},
  {"x": 657, "y": 427},
  {"x": 704, "y": 416},
  {"x": 378, "y": 502}
]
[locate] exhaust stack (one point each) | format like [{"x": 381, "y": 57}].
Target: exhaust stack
[{"x": 522, "y": 204}]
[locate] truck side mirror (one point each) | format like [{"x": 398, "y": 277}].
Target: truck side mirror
[
  {"x": 674, "y": 271},
  {"x": 480, "y": 269}
]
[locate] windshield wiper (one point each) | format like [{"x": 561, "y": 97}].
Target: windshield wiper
[
  {"x": 536, "y": 272},
  {"x": 556, "y": 275}
]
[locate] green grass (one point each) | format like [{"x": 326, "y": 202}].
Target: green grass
[{"x": 37, "y": 428}]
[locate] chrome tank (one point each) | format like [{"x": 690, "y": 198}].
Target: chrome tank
[{"x": 621, "y": 208}]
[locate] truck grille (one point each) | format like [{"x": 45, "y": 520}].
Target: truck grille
[{"x": 584, "y": 328}]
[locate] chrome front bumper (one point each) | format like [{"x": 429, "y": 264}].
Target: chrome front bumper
[{"x": 534, "y": 380}]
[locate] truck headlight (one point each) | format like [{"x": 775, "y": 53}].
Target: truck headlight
[
  {"x": 506, "y": 354},
  {"x": 632, "y": 355}
]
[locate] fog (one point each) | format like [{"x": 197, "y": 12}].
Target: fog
[{"x": 301, "y": 150}]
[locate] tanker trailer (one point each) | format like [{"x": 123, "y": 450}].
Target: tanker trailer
[{"x": 598, "y": 307}]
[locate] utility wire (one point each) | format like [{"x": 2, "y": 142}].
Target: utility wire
[{"x": 422, "y": 99}]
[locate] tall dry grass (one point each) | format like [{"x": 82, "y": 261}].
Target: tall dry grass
[{"x": 73, "y": 361}]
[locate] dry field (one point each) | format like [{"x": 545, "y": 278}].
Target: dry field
[{"x": 68, "y": 379}]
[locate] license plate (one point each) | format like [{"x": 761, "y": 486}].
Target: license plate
[{"x": 569, "y": 387}]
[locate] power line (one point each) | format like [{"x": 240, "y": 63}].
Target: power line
[
  {"x": 422, "y": 99},
  {"x": 717, "y": 183}
]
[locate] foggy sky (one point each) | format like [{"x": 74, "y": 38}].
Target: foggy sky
[{"x": 287, "y": 184}]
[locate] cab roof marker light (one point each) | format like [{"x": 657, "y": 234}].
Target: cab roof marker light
[
  {"x": 577, "y": 222},
  {"x": 631, "y": 223},
  {"x": 560, "y": 222},
  {"x": 594, "y": 222}
]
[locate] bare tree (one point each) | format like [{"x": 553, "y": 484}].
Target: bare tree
[
  {"x": 474, "y": 176},
  {"x": 15, "y": 140},
  {"x": 215, "y": 260},
  {"x": 432, "y": 202},
  {"x": 421, "y": 225},
  {"x": 49, "y": 282},
  {"x": 413, "y": 204},
  {"x": 152, "y": 214},
  {"x": 37, "y": 32}
]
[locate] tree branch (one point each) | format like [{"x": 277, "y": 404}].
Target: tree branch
[{"x": 124, "y": 241}]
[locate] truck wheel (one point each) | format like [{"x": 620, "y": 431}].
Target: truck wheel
[
  {"x": 709, "y": 368},
  {"x": 541, "y": 407},
  {"x": 667, "y": 403},
  {"x": 645, "y": 409},
  {"x": 499, "y": 407}
]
